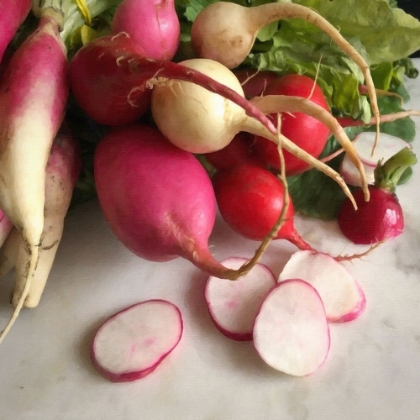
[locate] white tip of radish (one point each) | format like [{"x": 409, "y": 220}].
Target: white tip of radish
[
  {"x": 387, "y": 147},
  {"x": 233, "y": 305},
  {"x": 291, "y": 332},
  {"x": 343, "y": 298},
  {"x": 133, "y": 342}
]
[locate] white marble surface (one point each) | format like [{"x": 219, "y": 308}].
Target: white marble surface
[{"x": 372, "y": 373}]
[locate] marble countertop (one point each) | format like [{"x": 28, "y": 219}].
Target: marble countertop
[{"x": 372, "y": 372}]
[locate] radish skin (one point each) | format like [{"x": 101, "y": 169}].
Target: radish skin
[
  {"x": 5, "y": 227},
  {"x": 32, "y": 105}
]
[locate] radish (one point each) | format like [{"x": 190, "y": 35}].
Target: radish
[
  {"x": 9, "y": 251},
  {"x": 132, "y": 343},
  {"x": 233, "y": 305},
  {"x": 225, "y": 32},
  {"x": 343, "y": 298},
  {"x": 5, "y": 227},
  {"x": 254, "y": 82},
  {"x": 33, "y": 96},
  {"x": 251, "y": 199},
  {"x": 291, "y": 332},
  {"x": 12, "y": 14},
  {"x": 364, "y": 144},
  {"x": 382, "y": 217},
  {"x": 157, "y": 34}
]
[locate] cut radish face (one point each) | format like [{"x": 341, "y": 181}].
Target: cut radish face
[
  {"x": 364, "y": 142},
  {"x": 233, "y": 305},
  {"x": 133, "y": 342},
  {"x": 291, "y": 332},
  {"x": 343, "y": 298}
]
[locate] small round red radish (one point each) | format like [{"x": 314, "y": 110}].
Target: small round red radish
[
  {"x": 132, "y": 343},
  {"x": 305, "y": 131},
  {"x": 233, "y": 305},
  {"x": 343, "y": 298},
  {"x": 254, "y": 83},
  {"x": 250, "y": 200},
  {"x": 291, "y": 332}
]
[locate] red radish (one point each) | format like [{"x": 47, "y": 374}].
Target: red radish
[
  {"x": 12, "y": 14},
  {"x": 250, "y": 200},
  {"x": 233, "y": 305},
  {"x": 254, "y": 83},
  {"x": 343, "y": 298},
  {"x": 291, "y": 332},
  {"x": 307, "y": 132},
  {"x": 382, "y": 217},
  {"x": 364, "y": 144},
  {"x": 32, "y": 105},
  {"x": 132, "y": 343},
  {"x": 152, "y": 24}
]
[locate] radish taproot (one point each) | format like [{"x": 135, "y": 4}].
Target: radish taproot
[
  {"x": 291, "y": 332},
  {"x": 158, "y": 32},
  {"x": 233, "y": 305},
  {"x": 132, "y": 343},
  {"x": 32, "y": 105},
  {"x": 343, "y": 298}
]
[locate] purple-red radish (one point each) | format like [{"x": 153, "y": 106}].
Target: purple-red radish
[
  {"x": 254, "y": 83},
  {"x": 152, "y": 24},
  {"x": 250, "y": 200},
  {"x": 225, "y": 32},
  {"x": 343, "y": 298},
  {"x": 382, "y": 217},
  {"x": 132, "y": 343},
  {"x": 33, "y": 96},
  {"x": 291, "y": 332},
  {"x": 233, "y": 305},
  {"x": 12, "y": 14}
]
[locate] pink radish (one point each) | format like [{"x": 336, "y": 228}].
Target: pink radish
[
  {"x": 233, "y": 305},
  {"x": 152, "y": 24},
  {"x": 343, "y": 298},
  {"x": 12, "y": 14},
  {"x": 5, "y": 227},
  {"x": 291, "y": 332},
  {"x": 132, "y": 343},
  {"x": 33, "y": 96}
]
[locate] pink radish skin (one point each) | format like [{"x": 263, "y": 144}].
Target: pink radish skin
[
  {"x": 233, "y": 305},
  {"x": 32, "y": 106},
  {"x": 158, "y": 199},
  {"x": 291, "y": 332},
  {"x": 132, "y": 343},
  {"x": 5, "y": 227},
  {"x": 343, "y": 298},
  {"x": 152, "y": 24},
  {"x": 12, "y": 14}
]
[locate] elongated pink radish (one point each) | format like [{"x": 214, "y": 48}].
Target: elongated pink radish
[
  {"x": 33, "y": 96},
  {"x": 132, "y": 343},
  {"x": 291, "y": 332},
  {"x": 12, "y": 14},
  {"x": 153, "y": 25},
  {"x": 233, "y": 305},
  {"x": 343, "y": 298},
  {"x": 225, "y": 32}
]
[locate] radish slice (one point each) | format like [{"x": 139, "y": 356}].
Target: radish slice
[
  {"x": 291, "y": 332},
  {"x": 132, "y": 343},
  {"x": 233, "y": 305},
  {"x": 343, "y": 298},
  {"x": 363, "y": 143}
]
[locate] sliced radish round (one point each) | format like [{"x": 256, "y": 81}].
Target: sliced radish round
[
  {"x": 133, "y": 342},
  {"x": 291, "y": 332},
  {"x": 234, "y": 304},
  {"x": 343, "y": 298},
  {"x": 387, "y": 147}
]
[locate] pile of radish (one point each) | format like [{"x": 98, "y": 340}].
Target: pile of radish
[{"x": 180, "y": 138}]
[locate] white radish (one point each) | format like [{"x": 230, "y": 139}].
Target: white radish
[
  {"x": 9, "y": 251},
  {"x": 132, "y": 343},
  {"x": 364, "y": 144},
  {"x": 291, "y": 332},
  {"x": 343, "y": 298},
  {"x": 233, "y": 305}
]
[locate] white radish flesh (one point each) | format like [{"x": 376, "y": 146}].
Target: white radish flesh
[
  {"x": 233, "y": 305},
  {"x": 132, "y": 343},
  {"x": 343, "y": 298},
  {"x": 291, "y": 332}
]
